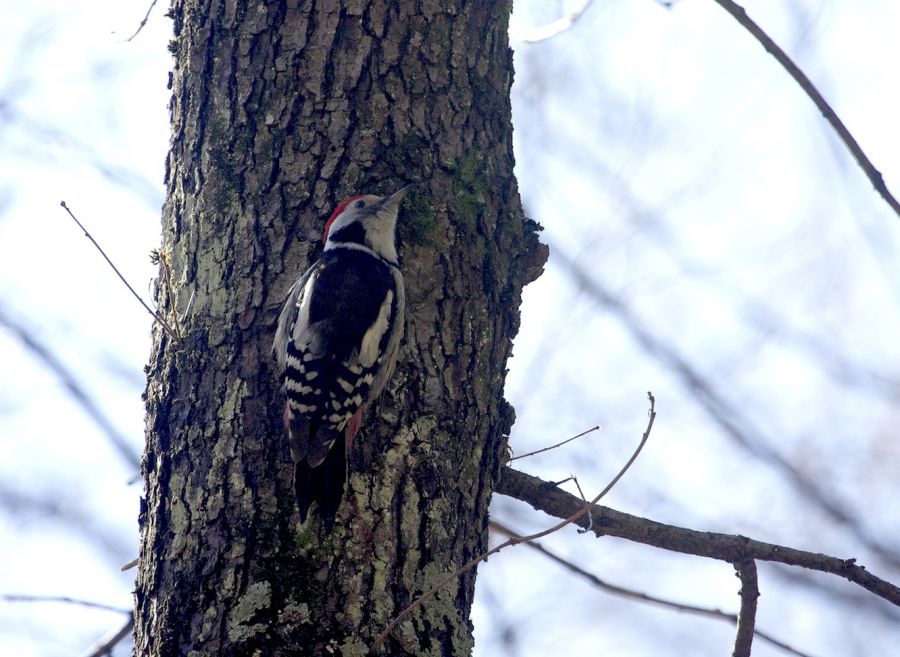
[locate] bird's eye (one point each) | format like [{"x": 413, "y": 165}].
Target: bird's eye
[{"x": 360, "y": 204}]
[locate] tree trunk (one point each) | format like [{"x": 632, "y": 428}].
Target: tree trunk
[{"x": 278, "y": 111}]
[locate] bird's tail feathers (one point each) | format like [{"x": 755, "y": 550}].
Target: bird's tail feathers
[
  {"x": 299, "y": 432},
  {"x": 321, "y": 488},
  {"x": 320, "y": 445}
]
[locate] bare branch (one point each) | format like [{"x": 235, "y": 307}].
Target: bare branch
[
  {"x": 550, "y": 30},
  {"x": 576, "y": 515},
  {"x": 554, "y": 501},
  {"x": 63, "y": 599},
  {"x": 740, "y": 15},
  {"x": 746, "y": 623},
  {"x": 644, "y": 597},
  {"x": 155, "y": 315},
  {"x": 730, "y": 419},
  {"x": 143, "y": 21},
  {"x": 73, "y": 385},
  {"x": 547, "y": 449},
  {"x": 108, "y": 643}
]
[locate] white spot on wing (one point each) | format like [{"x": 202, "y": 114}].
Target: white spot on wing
[{"x": 298, "y": 387}]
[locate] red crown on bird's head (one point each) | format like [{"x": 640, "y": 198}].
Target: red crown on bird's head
[{"x": 337, "y": 211}]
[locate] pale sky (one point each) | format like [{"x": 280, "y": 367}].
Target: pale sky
[{"x": 668, "y": 156}]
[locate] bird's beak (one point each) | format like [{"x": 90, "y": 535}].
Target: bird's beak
[{"x": 392, "y": 201}]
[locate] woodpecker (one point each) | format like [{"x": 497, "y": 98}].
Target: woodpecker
[{"x": 336, "y": 344}]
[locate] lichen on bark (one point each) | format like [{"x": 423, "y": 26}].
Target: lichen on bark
[{"x": 278, "y": 110}]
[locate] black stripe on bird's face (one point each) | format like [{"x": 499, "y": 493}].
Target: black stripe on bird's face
[{"x": 354, "y": 233}]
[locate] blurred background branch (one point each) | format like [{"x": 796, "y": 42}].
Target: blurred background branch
[{"x": 710, "y": 240}]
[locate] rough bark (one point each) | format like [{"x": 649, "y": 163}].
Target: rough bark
[{"x": 279, "y": 110}]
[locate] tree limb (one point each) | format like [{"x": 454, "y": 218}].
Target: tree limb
[
  {"x": 874, "y": 175},
  {"x": 545, "y": 497},
  {"x": 746, "y": 622}
]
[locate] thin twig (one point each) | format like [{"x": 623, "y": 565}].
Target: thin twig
[
  {"x": 874, "y": 175},
  {"x": 403, "y": 615},
  {"x": 547, "y": 449},
  {"x": 643, "y": 597},
  {"x": 155, "y": 316},
  {"x": 131, "y": 564},
  {"x": 583, "y": 530},
  {"x": 746, "y": 623},
  {"x": 108, "y": 643},
  {"x": 574, "y": 479},
  {"x": 157, "y": 257},
  {"x": 143, "y": 22},
  {"x": 64, "y": 599},
  {"x": 550, "y": 30},
  {"x": 723, "y": 547}
]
